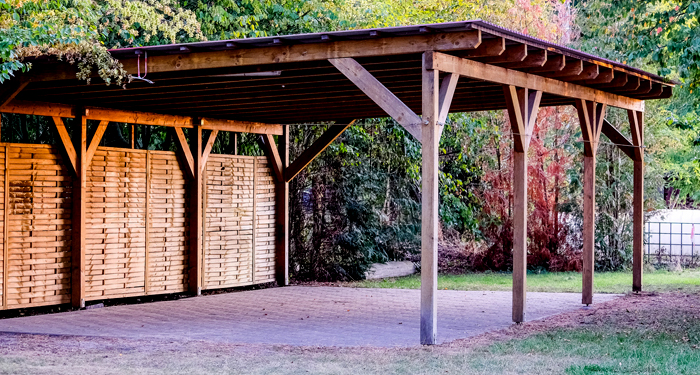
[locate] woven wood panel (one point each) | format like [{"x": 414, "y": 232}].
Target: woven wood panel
[
  {"x": 116, "y": 224},
  {"x": 228, "y": 242},
  {"x": 39, "y": 235},
  {"x": 264, "y": 222},
  {"x": 235, "y": 221},
  {"x": 168, "y": 224}
]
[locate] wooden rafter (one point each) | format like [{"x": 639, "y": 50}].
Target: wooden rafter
[
  {"x": 535, "y": 59},
  {"x": 488, "y": 48},
  {"x": 497, "y": 74},
  {"x": 588, "y": 73},
  {"x": 553, "y": 64},
  {"x": 515, "y": 53},
  {"x": 67, "y": 143},
  {"x": 314, "y": 150},
  {"x": 376, "y": 91}
]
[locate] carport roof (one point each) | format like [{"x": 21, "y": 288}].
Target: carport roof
[{"x": 289, "y": 79}]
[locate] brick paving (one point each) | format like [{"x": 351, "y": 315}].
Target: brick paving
[{"x": 297, "y": 315}]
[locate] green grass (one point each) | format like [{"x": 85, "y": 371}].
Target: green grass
[{"x": 560, "y": 282}]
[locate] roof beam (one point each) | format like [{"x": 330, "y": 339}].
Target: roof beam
[
  {"x": 589, "y": 72},
  {"x": 497, "y": 74},
  {"x": 380, "y": 95},
  {"x": 605, "y": 75},
  {"x": 140, "y": 118},
  {"x": 381, "y": 46}
]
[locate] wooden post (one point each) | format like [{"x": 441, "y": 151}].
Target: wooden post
[
  {"x": 147, "y": 258},
  {"x": 78, "y": 215},
  {"x": 523, "y": 105},
  {"x": 591, "y": 116},
  {"x": 131, "y": 133},
  {"x": 282, "y": 214},
  {"x": 6, "y": 217},
  {"x": 637, "y": 128},
  {"x": 429, "y": 203},
  {"x": 195, "y": 251},
  {"x": 588, "y": 227}
]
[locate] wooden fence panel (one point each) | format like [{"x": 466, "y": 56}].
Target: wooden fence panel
[
  {"x": 38, "y": 227},
  {"x": 228, "y": 236},
  {"x": 115, "y": 223},
  {"x": 168, "y": 224},
  {"x": 136, "y": 224},
  {"x": 264, "y": 222}
]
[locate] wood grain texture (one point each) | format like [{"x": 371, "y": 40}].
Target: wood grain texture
[
  {"x": 316, "y": 148},
  {"x": 282, "y": 215},
  {"x": 429, "y": 204},
  {"x": 497, "y": 74},
  {"x": 380, "y": 95}
]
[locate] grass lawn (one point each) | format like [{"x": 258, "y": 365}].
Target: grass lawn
[{"x": 605, "y": 282}]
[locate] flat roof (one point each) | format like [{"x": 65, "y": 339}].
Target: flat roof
[{"x": 288, "y": 79}]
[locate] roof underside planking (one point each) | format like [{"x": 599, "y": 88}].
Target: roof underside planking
[{"x": 288, "y": 79}]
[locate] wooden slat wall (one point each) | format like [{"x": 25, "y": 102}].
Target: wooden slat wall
[
  {"x": 136, "y": 200},
  {"x": 264, "y": 222},
  {"x": 168, "y": 224},
  {"x": 39, "y": 235},
  {"x": 228, "y": 235},
  {"x": 116, "y": 224}
]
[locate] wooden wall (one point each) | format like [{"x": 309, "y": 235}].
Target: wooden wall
[{"x": 136, "y": 227}]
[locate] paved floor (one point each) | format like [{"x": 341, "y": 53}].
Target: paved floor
[{"x": 323, "y": 316}]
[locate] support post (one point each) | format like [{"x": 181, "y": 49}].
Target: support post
[
  {"x": 78, "y": 215},
  {"x": 637, "y": 128},
  {"x": 195, "y": 250},
  {"x": 589, "y": 163},
  {"x": 429, "y": 215},
  {"x": 591, "y": 116},
  {"x": 282, "y": 214},
  {"x": 523, "y": 105}
]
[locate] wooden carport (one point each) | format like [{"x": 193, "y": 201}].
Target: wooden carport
[{"x": 414, "y": 74}]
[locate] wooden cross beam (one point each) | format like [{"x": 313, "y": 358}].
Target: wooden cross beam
[
  {"x": 392, "y": 105},
  {"x": 274, "y": 156},
  {"x": 140, "y": 118},
  {"x": 376, "y": 91},
  {"x": 306, "y": 157},
  {"x": 620, "y": 140}
]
